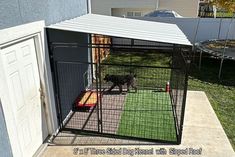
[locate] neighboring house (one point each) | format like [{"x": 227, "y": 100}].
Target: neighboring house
[
  {"x": 26, "y": 118},
  {"x": 186, "y": 8}
]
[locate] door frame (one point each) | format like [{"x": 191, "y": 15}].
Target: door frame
[{"x": 11, "y": 36}]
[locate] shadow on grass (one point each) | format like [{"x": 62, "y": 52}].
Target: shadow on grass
[{"x": 210, "y": 70}]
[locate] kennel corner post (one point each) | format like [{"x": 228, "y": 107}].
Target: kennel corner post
[
  {"x": 100, "y": 120},
  {"x": 97, "y": 94},
  {"x": 174, "y": 85},
  {"x": 186, "y": 69},
  {"x": 54, "y": 63}
]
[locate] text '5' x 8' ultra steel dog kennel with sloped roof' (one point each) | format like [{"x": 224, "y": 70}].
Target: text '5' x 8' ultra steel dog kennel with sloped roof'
[{"x": 119, "y": 78}]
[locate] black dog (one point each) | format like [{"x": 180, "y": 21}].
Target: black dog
[{"x": 119, "y": 80}]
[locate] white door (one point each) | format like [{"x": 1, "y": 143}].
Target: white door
[{"x": 22, "y": 78}]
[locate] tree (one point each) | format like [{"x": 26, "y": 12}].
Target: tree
[{"x": 228, "y": 5}]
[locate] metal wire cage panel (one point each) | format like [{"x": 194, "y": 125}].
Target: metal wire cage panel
[{"x": 121, "y": 96}]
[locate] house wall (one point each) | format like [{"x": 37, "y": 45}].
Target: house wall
[
  {"x": 186, "y": 8},
  {"x": 16, "y": 12},
  {"x": 70, "y": 76},
  {"x": 103, "y": 7},
  {"x": 5, "y": 149},
  {"x": 123, "y": 11}
]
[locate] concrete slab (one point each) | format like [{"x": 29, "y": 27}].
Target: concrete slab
[
  {"x": 203, "y": 136},
  {"x": 78, "y": 119}
]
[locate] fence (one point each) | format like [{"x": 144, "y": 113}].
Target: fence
[{"x": 200, "y": 29}]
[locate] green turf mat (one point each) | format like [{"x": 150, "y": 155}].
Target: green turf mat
[{"x": 148, "y": 114}]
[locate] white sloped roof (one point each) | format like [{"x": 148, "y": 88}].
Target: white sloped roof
[{"x": 124, "y": 27}]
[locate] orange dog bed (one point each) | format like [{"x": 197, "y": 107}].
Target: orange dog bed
[{"x": 87, "y": 99}]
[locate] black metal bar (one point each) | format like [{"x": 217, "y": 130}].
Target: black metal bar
[
  {"x": 84, "y": 125},
  {"x": 175, "y": 116},
  {"x": 184, "y": 101},
  {"x": 75, "y": 62},
  {"x": 126, "y": 65},
  {"x": 57, "y": 93},
  {"x": 99, "y": 90},
  {"x": 220, "y": 68},
  {"x": 140, "y": 66},
  {"x": 106, "y": 45},
  {"x": 174, "y": 101},
  {"x": 134, "y": 110},
  {"x": 91, "y": 45},
  {"x": 133, "y": 43},
  {"x": 97, "y": 95},
  {"x": 200, "y": 59},
  {"x": 93, "y": 133},
  {"x": 135, "y": 48}
]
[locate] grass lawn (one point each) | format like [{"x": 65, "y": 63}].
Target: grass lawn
[
  {"x": 150, "y": 77},
  {"x": 148, "y": 114},
  {"x": 139, "y": 58},
  {"x": 221, "y": 94}
]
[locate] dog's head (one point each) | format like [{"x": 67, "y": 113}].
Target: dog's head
[{"x": 107, "y": 77}]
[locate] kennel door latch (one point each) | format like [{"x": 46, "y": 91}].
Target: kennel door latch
[{"x": 42, "y": 95}]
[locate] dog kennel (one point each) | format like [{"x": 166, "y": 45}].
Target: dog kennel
[{"x": 80, "y": 60}]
